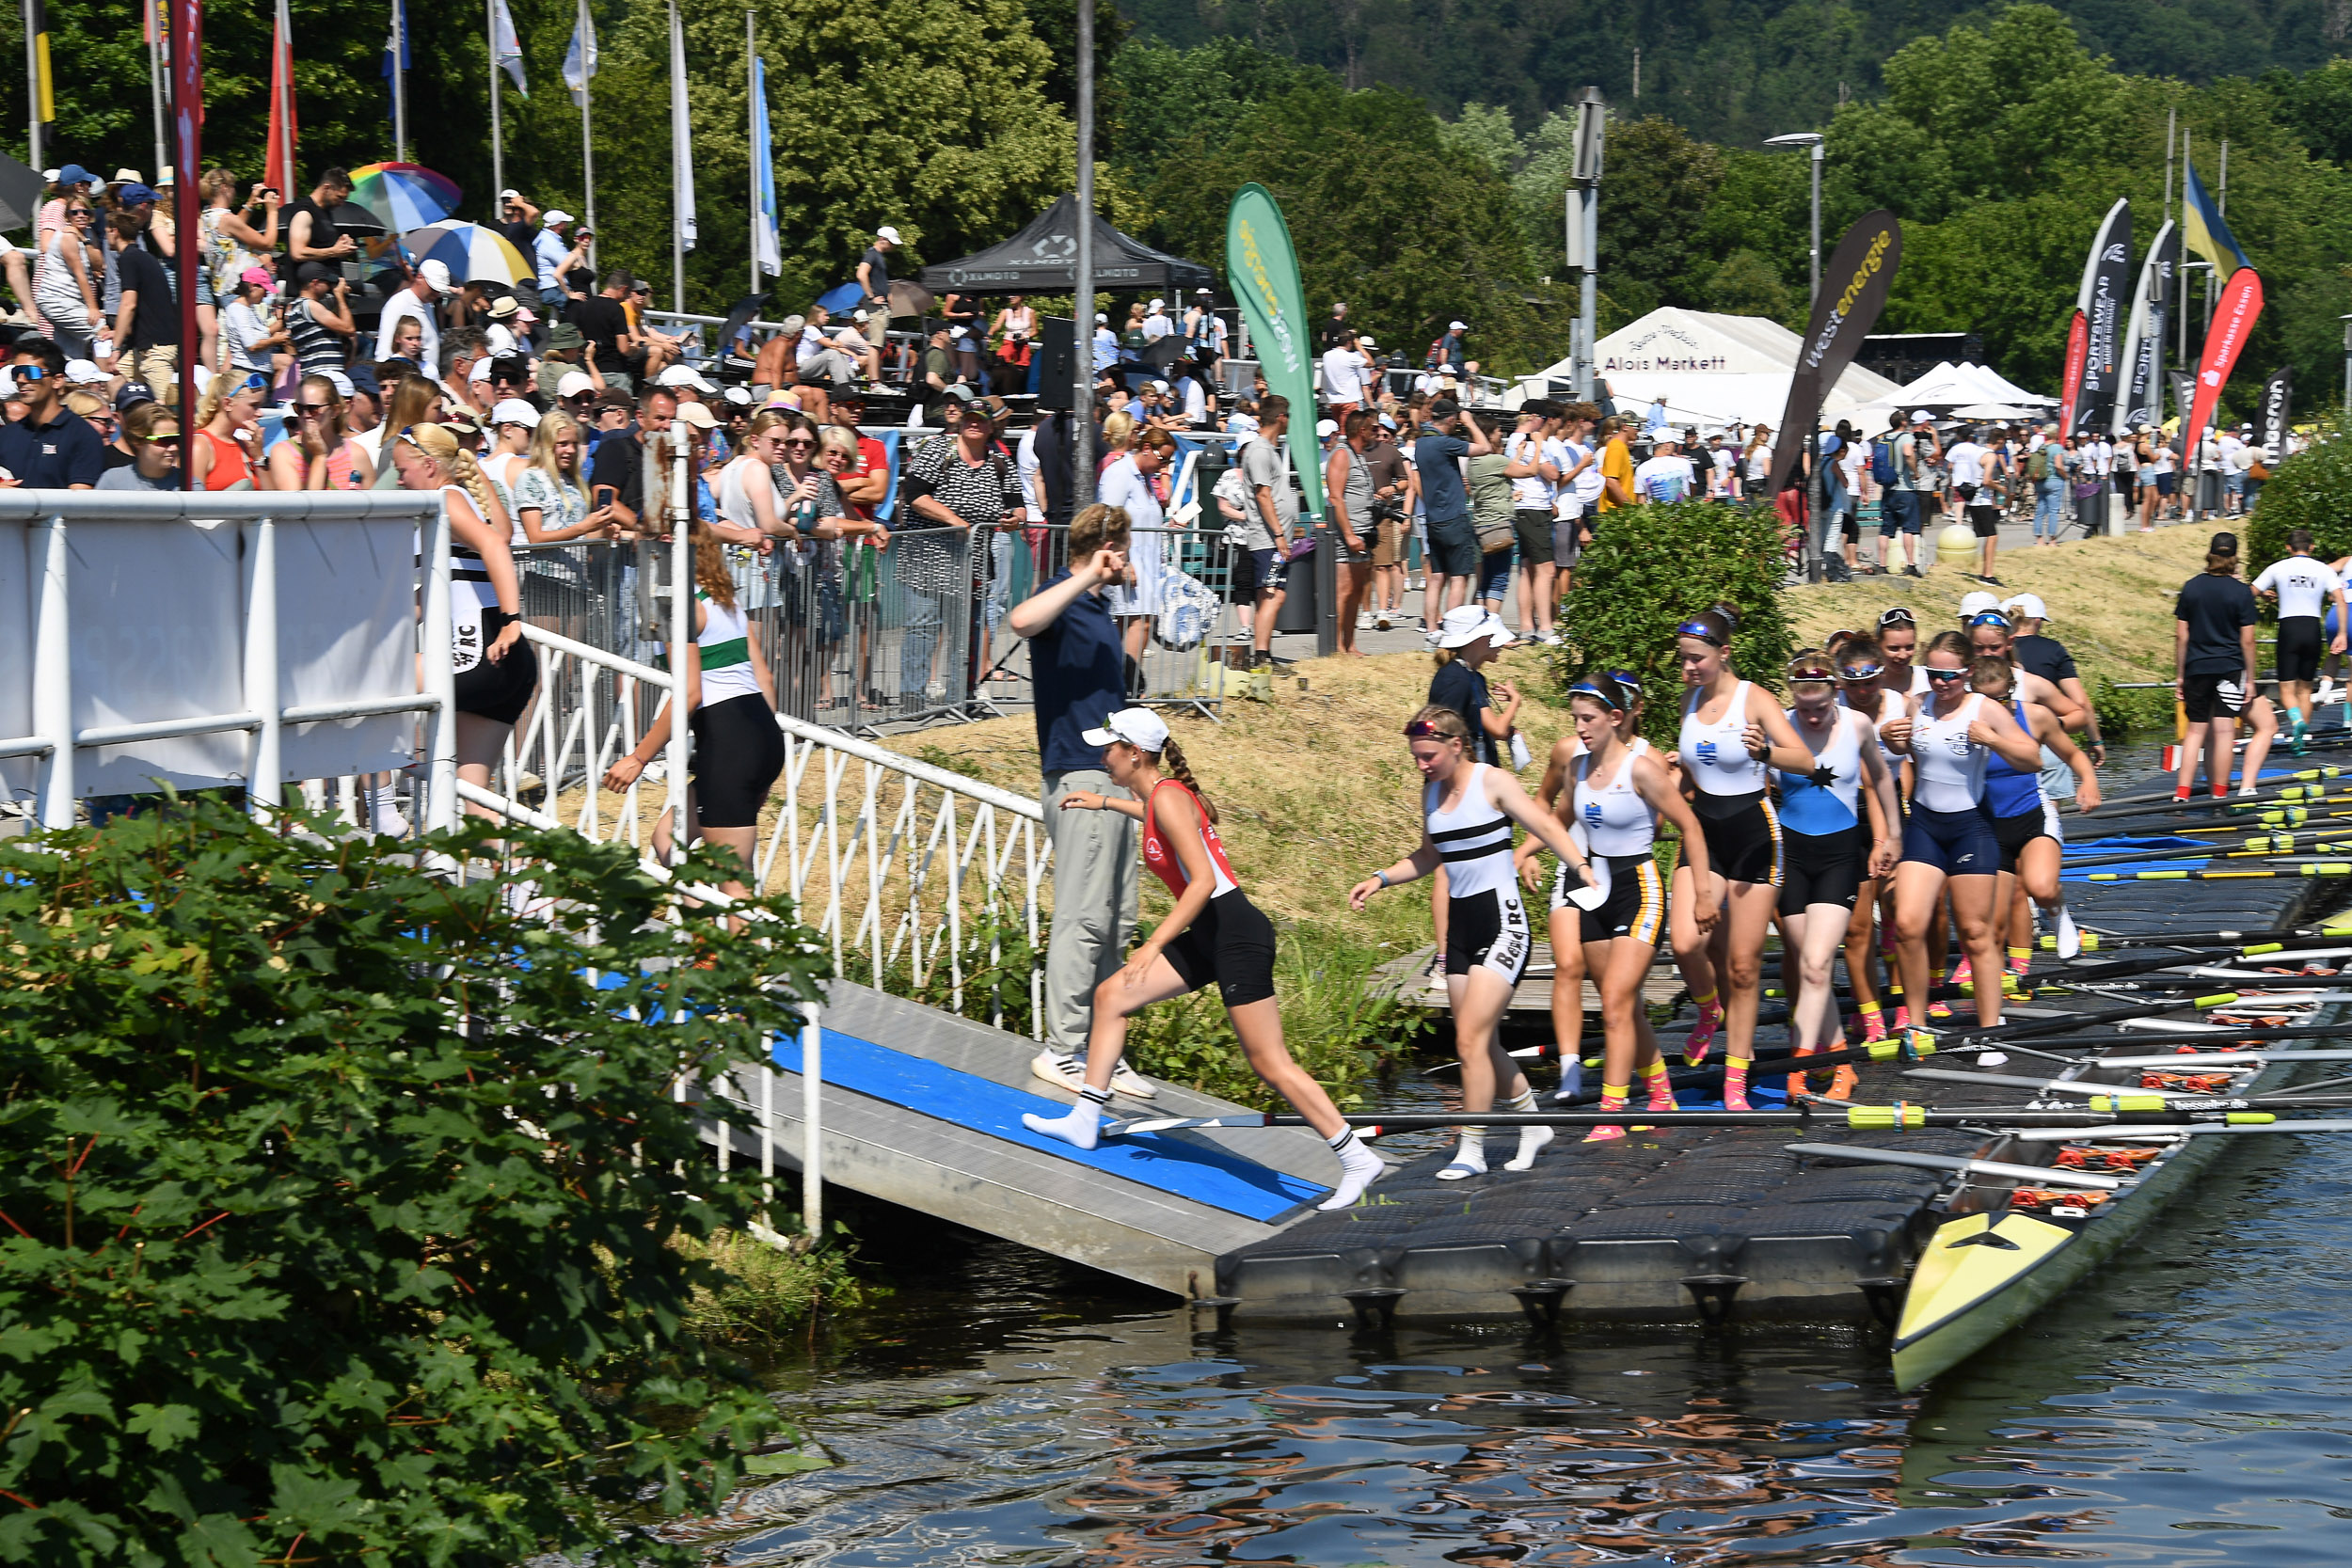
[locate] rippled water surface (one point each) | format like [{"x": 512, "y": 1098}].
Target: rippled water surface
[{"x": 2186, "y": 1406}]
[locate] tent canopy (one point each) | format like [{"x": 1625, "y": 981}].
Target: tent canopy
[
  {"x": 1713, "y": 370},
  {"x": 1042, "y": 259},
  {"x": 1951, "y": 386}
]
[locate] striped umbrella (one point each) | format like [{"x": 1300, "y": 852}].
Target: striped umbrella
[
  {"x": 404, "y": 196},
  {"x": 473, "y": 253}
]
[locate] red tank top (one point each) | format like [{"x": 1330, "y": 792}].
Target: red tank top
[{"x": 1162, "y": 860}]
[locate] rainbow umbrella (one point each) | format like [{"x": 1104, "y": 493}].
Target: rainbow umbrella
[
  {"x": 404, "y": 196},
  {"x": 473, "y": 253}
]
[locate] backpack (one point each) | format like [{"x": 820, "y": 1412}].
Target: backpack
[
  {"x": 2038, "y": 463},
  {"x": 1187, "y": 612},
  {"x": 1883, "y": 464}
]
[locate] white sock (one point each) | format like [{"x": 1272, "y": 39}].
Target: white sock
[
  {"x": 1571, "y": 1077},
  {"x": 1081, "y": 1124},
  {"x": 1359, "y": 1165},
  {"x": 1469, "y": 1156},
  {"x": 1532, "y": 1139}
]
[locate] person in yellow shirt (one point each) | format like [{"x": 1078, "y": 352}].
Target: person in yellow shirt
[{"x": 1616, "y": 468}]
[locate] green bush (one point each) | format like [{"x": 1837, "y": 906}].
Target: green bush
[
  {"x": 2143, "y": 712},
  {"x": 1652, "y": 568},
  {"x": 343, "y": 1204},
  {"x": 2312, "y": 489},
  {"x": 765, "y": 1289}
]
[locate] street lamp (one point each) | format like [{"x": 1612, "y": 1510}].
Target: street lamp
[
  {"x": 2347, "y": 366},
  {"x": 1810, "y": 139}
]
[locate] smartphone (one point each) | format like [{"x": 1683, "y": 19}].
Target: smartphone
[{"x": 606, "y": 495}]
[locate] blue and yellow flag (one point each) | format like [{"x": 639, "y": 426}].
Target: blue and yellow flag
[{"x": 2205, "y": 231}]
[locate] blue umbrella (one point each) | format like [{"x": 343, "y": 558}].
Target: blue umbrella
[{"x": 842, "y": 296}]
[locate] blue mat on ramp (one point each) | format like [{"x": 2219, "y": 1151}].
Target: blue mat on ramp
[{"x": 1203, "y": 1174}]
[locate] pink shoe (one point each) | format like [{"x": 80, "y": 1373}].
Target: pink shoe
[{"x": 1962, "y": 976}]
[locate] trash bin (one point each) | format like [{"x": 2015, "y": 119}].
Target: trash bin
[{"x": 1301, "y": 602}]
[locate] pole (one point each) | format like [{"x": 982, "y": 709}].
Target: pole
[
  {"x": 2170, "y": 117},
  {"x": 155, "y": 86},
  {"x": 400, "y": 82},
  {"x": 2183, "y": 312},
  {"x": 187, "y": 111},
  {"x": 283, "y": 73},
  {"x": 1817, "y": 224},
  {"x": 587, "y": 153},
  {"x": 32, "y": 86},
  {"x": 751, "y": 53},
  {"x": 677, "y": 153},
  {"x": 497, "y": 141},
  {"x": 1082, "y": 303},
  {"x": 1588, "y": 294}
]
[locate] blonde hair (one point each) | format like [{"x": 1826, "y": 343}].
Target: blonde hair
[
  {"x": 1117, "y": 430},
  {"x": 413, "y": 401},
  {"x": 1096, "y": 527},
  {"x": 1447, "y": 721},
  {"x": 224, "y": 386},
  {"x": 710, "y": 565},
  {"x": 437, "y": 443},
  {"x": 839, "y": 437},
  {"x": 1172, "y": 763},
  {"x": 553, "y": 427}
]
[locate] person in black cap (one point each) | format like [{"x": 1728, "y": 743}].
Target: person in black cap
[{"x": 2213, "y": 643}]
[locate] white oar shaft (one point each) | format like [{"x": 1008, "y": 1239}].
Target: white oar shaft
[
  {"x": 2164, "y": 1134},
  {"x": 2038, "y": 1175}
]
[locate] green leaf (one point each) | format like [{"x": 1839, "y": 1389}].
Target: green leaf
[{"x": 164, "y": 1426}]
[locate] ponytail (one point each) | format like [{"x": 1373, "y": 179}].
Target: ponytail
[
  {"x": 1172, "y": 763},
  {"x": 438, "y": 443},
  {"x": 710, "y": 565}
]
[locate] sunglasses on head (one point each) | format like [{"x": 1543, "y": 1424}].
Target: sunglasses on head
[
  {"x": 1587, "y": 689},
  {"x": 1935, "y": 675},
  {"x": 1988, "y": 618},
  {"x": 1423, "y": 729},
  {"x": 1701, "y": 630},
  {"x": 1899, "y": 615},
  {"x": 1867, "y": 673},
  {"x": 255, "y": 382}
]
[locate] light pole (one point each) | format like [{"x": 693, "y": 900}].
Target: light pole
[
  {"x": 1808, "y": 140},
  {"x": 2347, "y": 366},
  {"x": 1584, "y": 229}
]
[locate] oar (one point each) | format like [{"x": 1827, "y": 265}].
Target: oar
[
  {"x": 2279, "y": 938},
  {"x": 2108, "y": 1096},
  {"x": 2191, "y": 1061},
  {"x": 2067, "y": 1023},
  {"x": 2136, "y": 1135},
  {"x": 2332, "y": 869},
  {"x": 2133, "y": 1108},
  {"x": 2041, "y": 1176},
  {"x": 2286, "y": 780}
]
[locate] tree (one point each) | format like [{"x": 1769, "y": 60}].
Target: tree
[{"x": 341, "y": 1198}]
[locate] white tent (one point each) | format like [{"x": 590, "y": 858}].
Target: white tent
[
  {"x": 1971, "y": 391},
  {"x": 1712, "y": 370}
]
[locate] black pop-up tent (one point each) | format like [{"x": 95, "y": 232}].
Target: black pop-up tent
[{"x": 1042, "y": 259}]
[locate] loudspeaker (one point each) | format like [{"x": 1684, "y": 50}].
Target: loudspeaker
[{"x": 1056, "y": 369}]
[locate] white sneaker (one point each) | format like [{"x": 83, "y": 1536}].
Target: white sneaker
[
  {"x": 387, "y": 822},
  {"x": 1364, "y": 619},
  {"x": 1381, "y": 622},
  {"x": 1070, "y": 1073},
  {"x": 1551, "y": 640},
  {"x": 1135, "y": 1085}
]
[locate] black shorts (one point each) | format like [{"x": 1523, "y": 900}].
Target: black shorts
[
  {"x": 500, "y": 692},
  {"x": 1742, "y": 836},
  {"x": 738, "y": 754},
  {"x": 1487, "y": 930},
  {"x": 1635, "y": 907},
  {"x": 1822, "y": 868},
  {"x": 1257, "y": 572},
  {"x": 1985, "y": 520},
  {"x": 1453, "y": 547},
  {"x": 1232, "y": 943},
  {"x": 2213, "y": 696},
  {"x": 1534, "y": 531},
  {"x": 2300, "y": 644},
  {"x": 2015, "y": 833}
]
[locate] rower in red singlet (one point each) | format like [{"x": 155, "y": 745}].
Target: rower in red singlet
[{"x": 1213, "y": 933}]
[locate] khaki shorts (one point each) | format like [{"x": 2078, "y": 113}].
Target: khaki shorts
[{"x": 1387, "y": 544}]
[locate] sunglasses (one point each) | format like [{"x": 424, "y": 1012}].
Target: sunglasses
[
  {"x": 1899, "y": 615},
  {"x": 1701, "y": 630},
  {"x": 255, "y": 382},
  {"x": 158, "y": 440},
  {"x": 1947, "y": 674},
  {"x": 1625, "y": 681},
  {"x": 312, "y": 407},
  {"x": 798, "y": 445},
  {"x": 1811, "y": 678},
  {"x": 1587, "y": 689},
  {"x": 1988, "y": 618},
  {"x": 1423, "y": 729},
  {"x": 1867, "y": 672},
  {"x": 30, "y": 373}
]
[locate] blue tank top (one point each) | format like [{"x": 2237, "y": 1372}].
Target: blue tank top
[
  {"x": 2006, "y": 791},
  {"x": 1826, "y": 800}
]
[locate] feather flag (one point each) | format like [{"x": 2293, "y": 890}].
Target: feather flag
[
  {"x": 2205, "y": 231},
  {"x": 767, "y": 248},
  {"x": 37, "y": 26},
  {"x": 507, "y": 46},
  {"x": 580, "y": 60},
  {"x": 278, "y": 161},
  {"x": 681, "y": 136}
]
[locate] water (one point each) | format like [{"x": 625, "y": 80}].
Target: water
[{"x": 2182, "y": 1408}]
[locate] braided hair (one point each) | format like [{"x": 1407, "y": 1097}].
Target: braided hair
[
  {"x": 1172, "y": 763},
  {"x": 438, "y": 443}
]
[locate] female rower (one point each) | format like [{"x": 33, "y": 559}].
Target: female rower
[
  {"x": 2026, "y": 821},
  {"x": 1213, "y": 932},
  {"x": 1826, "y": 853},
  {"x": 1620, "y": 789},
  {"x": 1732, "y": 731},
  {"x": 1859, "y": 669},
  {"x": 738, "y": 750},
  {"x": 1466, "y": 811},
  {"x": 1948, "y": 841}
]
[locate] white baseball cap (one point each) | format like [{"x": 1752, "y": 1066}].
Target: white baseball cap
[
  {"x": 516, "y": 411},
  {"x": 1457, "y": 326},
  {"x": 1920, "y": 416},
  {"x": 1363, "y": 342},
  {"x": 1099, "y": 319},
  {"x": 552, "y": 217},
  {"x": 684, "y": 376},
  {"x": 509, "y": 195},
  {"x": 697, "y": 416},
  {"x": 1977, "y": 603},
  {"x": 1326, "y": 427},
  {"x": 435, "y": 275},
  {"x": 338, "y": 380},
  {"x": 84, "y": 373},
  {"x": 1466, "y": 624},
  {"x": 480, "y": 371},
  {"x": 886, "y": 232},
  {"x": 575, "y": 383},
  {"x": 1156, "y": 306},
  {"x": 1140, "y": 727},
  {"x": 2025, "y": 607}
]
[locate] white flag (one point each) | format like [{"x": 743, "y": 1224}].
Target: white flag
[
  {"x": 583, "y": 49},
  {"x": 681, "y": 134},
  {"x": 506, "y": 49},
  {"x": 764, "y": 244}
]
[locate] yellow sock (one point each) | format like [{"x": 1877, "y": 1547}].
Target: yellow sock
[
  {"x": 1616, "y": 1092},
  {"x": 1867, "y": 1008},
  {"x": 2020, "y": 952},
  {"x": 1707, "y": 1001},
  {"x": 1655, "y": 1070}
]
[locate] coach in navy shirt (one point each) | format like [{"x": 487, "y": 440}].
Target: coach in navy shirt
[{"x": 51, "y": 447}]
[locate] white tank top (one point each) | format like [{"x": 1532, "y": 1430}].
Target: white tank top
[
  {"x": 1808, "y": 806},
  {"x": 724, "y": 648},
  {"x": 1713, "y": 755},
  {"x": 1473, "y": 839},
  {"x": 1948, "y": 767},
  {"x": 1614, "y": 820},
  {"x": 1878, "y": 716}
]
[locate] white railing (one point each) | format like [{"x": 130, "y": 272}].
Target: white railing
[{"x": 115, "y": 655}]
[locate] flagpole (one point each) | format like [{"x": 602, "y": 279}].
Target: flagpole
[
  {"x": 156, "y": 82},
  {"x": 1081, "y": 429},
  {"x": 750, "y": 120},
  {"x": 32, "y": 83},
  {"x": 497, "y": 142},
  {"x": 677, "y": 192},
  {"x": 281, "y": 69},
  {"x": 2183, "y": 313},
  {"x": 400, "y": 82},
  {"x": 587, "y": 149}
]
